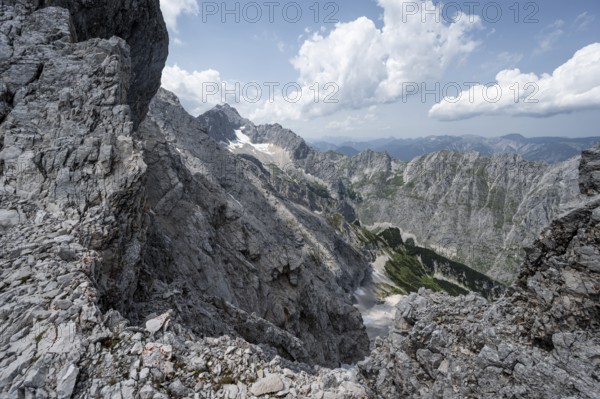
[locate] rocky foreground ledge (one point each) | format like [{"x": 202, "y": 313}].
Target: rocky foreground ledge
[
  {"x": 57, "y": 343},
  {"x": 541, "y": 341}
]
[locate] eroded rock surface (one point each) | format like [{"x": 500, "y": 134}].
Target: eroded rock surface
[
  {"x": 138, "y": 22},
  {"x": 133, "y": 261},
  {"x": 475, "y": 209},
  {"x": 151, "y": 218},
  {"x": 478, "y": 210},
  {"x": 67, "y": 135},
  {"x": 235, "y": 256},
  {"x": 540, "y": 340}
]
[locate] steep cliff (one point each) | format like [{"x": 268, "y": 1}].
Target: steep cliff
[
  {"x": 327, "y": 176},
  {"x": 99, "y": 212},
  {"x": 141, "y": 258},
  {"x": 71, "y": 179},
  {"x": 70, "y": 106},
  {"x": 221, "y": 238},
  {"x": 478, "y": 210},
  {"x": 541, "y": 340}
]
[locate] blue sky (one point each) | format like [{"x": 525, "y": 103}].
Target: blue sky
[{"x": 537, "y": 69}]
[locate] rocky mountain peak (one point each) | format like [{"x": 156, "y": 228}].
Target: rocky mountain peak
[
  {"x": 167, "y": 97},
  {"x": 226, "y": 107},
  {"x": 222, "y": 121},
  {"x": 230, "y": 112}
]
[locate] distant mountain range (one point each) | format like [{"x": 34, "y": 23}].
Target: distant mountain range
[
  {"x": 475, "y": 209},
  {"x": 548, "y": 149}
]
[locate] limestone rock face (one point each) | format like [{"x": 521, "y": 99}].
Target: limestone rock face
[
  {"x": 234, "y": 255},
  {"x": 140, "y": 24},
  {"x": 478, "y": 210},
  {"x": 589, "y": 170},
  {"x": 141, "y": 258},
  {"x": 541, "y": 340},
  {"x": 286, "y": 150},
  {"x": 67, "y": 132},
  {"x": 221, "y": 123},
  {"x": 154, "y": 216},
  {"x": 270, "y": 384}
]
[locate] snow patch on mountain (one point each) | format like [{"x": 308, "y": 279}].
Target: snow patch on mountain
[{"x": 266, "y": 153}]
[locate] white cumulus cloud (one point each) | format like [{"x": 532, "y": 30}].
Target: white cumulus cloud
[
  {"x": 573, "y": 86},
  {"x": 369, "y": 65},
  {"x": 171, "y": 9},
  {"x": 200, "y": 91},
  {"x": 352, "y": 66}
]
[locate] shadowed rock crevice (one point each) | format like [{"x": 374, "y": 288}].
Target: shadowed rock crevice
[{"x": 231, "y": 255}]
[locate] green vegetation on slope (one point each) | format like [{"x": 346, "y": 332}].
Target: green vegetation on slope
[
  {"x": 337, "y": 221},
  {"x": 468, "y": 277},
  {"x": 391, "y": 236},
  {"x": 410, "y": 267},
  {"x": 407, "y": 272},
  {"x": 391, "y": 186},
  {"x": 378, "y": 185},
  {"x": 366, "y": 236},
  {"x": 319, "y": 190}
]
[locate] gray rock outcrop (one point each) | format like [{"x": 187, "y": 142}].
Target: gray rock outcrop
[
  {"x": 251, "y": 264},
  {"x": 221, "y": 123},
  {"x": 540, "y": 340},
  {"x": 589, "y": 170},
  {"x": 221, "y": 238},
  {"x": 67, "y": 129},
  {"x": 140, "y": 24},
  {"x": 82, "y": 204},
  {"x": 477, "y": 210}
]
